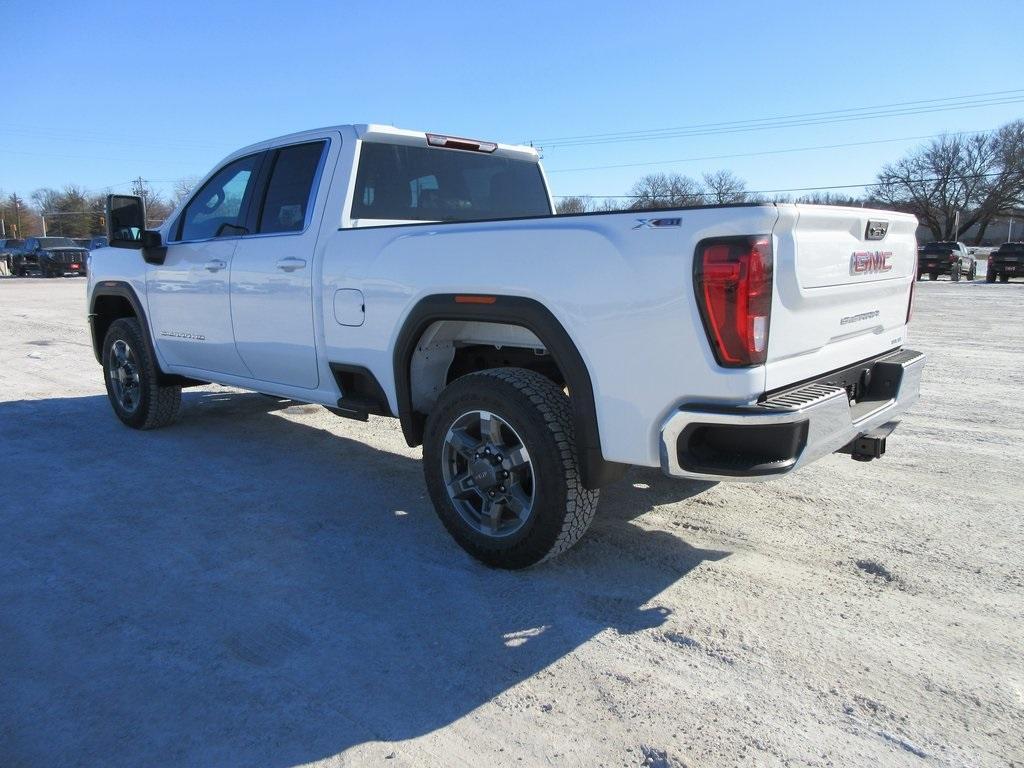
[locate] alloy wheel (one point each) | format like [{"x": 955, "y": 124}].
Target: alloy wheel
[
  {"x": 123, "y": 370},
  {"x": 488, "y": 474}
]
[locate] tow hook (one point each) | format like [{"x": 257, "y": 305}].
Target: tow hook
[{"x": 869, "y": 445}]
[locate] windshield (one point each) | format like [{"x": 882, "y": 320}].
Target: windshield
[
  {"x": 402, "y": 182},
  {"x": 56, "y": 242}
]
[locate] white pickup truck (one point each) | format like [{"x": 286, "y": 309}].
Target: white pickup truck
[{"x": 381, "y": 271}]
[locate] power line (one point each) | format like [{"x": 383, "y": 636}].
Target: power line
[
  {"x": 791, "y": 121},
  {"x": 757, "y": 154},
  {"x": 790, "y": 117},
  {"x": 799, "y": 189}
]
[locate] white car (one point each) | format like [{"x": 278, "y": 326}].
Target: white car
[{"x": 535, "y": 357}]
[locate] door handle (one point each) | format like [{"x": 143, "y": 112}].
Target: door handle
[
  {"x": 215, "y": 265},
  {"x": 291, "y": 264}
]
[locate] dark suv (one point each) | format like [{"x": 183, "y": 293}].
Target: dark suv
[
  {"x": 946, "y": 258},
  {"x": 50, "y": 257},
  {"x": 1005, "y": 262},
  {"x": 8, "y": 247},
  {"x": 92, "y": 243}
]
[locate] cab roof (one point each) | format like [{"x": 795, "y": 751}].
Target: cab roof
[{"x": 377, "y": 132}]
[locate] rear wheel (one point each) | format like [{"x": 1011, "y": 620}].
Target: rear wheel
[
  {"x": 500, "y": 464},
  {"x": 933, "y": 275},
  {"x": 1004, "y": 278},
  {"x": 133, "y": 379},
  {"x": 990, "y": 275},
  {"x": 954, "y": 274}
]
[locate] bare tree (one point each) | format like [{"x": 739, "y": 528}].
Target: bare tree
[
  {"x": 182, "y": 189},
  {"x": 977, "y": 177},
  {"x": 567, "y": 206},
  {"x": 724, "y": 187},
  {"x": 157, "y": 208},
  {"x": 661, "y": 190}
]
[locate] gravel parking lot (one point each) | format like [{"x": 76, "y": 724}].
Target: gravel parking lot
[{"x": 267, "y": 584}]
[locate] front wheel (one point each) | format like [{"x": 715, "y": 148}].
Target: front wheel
[
  {"x": 133, "y": 379},
  {"x": 973, "y": 273},
  {"x": 500, "y": 463}
]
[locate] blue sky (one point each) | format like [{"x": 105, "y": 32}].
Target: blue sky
[{"x": 164, "y": 90}]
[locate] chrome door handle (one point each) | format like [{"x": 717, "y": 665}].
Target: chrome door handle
[
  {"x": 214, "y": 266},
  {"x": 290, "y": 264}
]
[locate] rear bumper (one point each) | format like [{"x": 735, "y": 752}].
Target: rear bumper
[{"x": 790, "y": 429}]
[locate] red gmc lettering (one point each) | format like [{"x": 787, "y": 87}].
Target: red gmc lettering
[{"x": 870, "y": 261}]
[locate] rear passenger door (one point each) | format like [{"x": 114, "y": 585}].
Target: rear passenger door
[{"x": 272, "y": 270}]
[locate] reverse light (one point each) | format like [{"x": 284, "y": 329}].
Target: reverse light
[{"x": 733, "y": 281}]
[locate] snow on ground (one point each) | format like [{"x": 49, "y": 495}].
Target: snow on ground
[{"x": 266, "y": 584}]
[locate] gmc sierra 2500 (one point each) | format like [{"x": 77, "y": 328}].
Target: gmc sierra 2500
[{"x": 382, "y": 271}]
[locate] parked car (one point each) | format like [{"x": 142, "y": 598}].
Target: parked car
[
  {"x": 92, "y": 243},
  {"x": 534, "y": 356},
  {"x": 946, "y": 258},
  {"x": 50, "y": 257},
  {"x": 8, "y": 247},
  {"x": 1005, "y": 262}
]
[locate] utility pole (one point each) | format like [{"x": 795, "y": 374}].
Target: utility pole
[
  {"x": 1009, "y": 231},
  {"x": 956, "y": 225}
]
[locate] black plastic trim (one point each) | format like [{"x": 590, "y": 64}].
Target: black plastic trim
[
  {"x": 535, "y": 317},
  {"x": 559, "y": 216},
  {"x": 741, "y": 450},
  {"x": 846, "y": 377},
  {"x": 361, "y": 392}
]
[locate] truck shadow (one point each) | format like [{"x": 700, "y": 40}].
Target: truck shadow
[{"x": 244, "y": 588}]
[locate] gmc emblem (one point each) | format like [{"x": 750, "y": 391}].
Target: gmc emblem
[{"x": 863, "y": 262}]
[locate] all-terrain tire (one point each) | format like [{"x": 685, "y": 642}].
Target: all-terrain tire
[
  {"x": 539, "y": 412},
  {"x": 158, "y": 405}
]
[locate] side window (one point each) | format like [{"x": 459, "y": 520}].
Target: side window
[
  {"x": 289, "y": 191},
  {"x": 219, "y": 206}
]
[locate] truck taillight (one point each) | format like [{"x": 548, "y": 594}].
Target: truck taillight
[
  {"x": 733, "y": 280},
  {"x": 910, "y": 303}
]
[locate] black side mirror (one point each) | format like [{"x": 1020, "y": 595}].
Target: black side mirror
[
  {"x": 126, "y": 228},
  {"x": 126, "y": 221}
]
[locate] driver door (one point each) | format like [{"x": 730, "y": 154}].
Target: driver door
[{"x": 189, "y": 297}]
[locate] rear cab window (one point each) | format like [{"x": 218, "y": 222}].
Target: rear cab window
[
  {"x": 402, "y": 182},
  {"x": 289, "y": 196}
]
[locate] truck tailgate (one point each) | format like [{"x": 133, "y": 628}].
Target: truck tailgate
[{"x": 840, "y": 296}]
